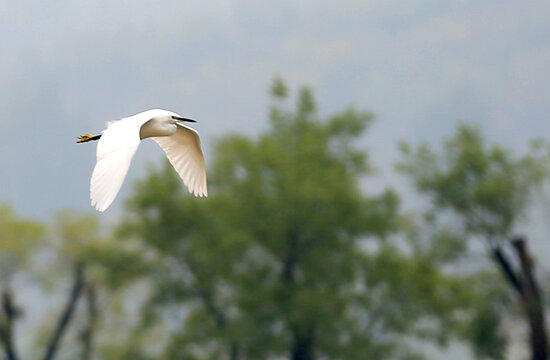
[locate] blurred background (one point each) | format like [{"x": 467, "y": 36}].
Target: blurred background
[{"x": 370, "y": 166}]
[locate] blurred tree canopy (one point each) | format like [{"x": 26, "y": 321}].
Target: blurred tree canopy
[
  {"x": 289, "y": 257},
  {"x": 19, "y": 242},
  {"x": 20, "y": 239},
  {"x": 487, "y": 187},
  {"x": 488, "y": 190}
]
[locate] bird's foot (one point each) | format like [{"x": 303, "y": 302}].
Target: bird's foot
[{"x": 87, "y": 137}]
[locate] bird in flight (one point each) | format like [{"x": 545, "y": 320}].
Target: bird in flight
[{"x": 119, "y": 141}]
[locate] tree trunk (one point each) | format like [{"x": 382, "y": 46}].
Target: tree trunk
[
  {"x": 89, "y": 331},
  {"x": 7, "y": 320},
  {"x": 532, "y": 302},
  {"x": 67, "y": 314},
  {"x": 234, "y": 351},
  {"x": 290, "y": 261},
  {"x": 302, "y": 349}
]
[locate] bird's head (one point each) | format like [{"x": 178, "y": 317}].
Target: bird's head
[
  {"x": 176, "y": 118},
  {"x": 167, "y": 117}
]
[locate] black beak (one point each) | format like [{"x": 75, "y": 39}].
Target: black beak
[{"x": 183, "y": 119}]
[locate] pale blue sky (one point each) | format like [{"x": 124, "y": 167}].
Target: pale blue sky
[{"x": 67, "y": 67}]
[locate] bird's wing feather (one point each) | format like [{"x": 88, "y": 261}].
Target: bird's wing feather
[
  {"x": 115, "y": 150},
  {"x": 184, "y": 152}
]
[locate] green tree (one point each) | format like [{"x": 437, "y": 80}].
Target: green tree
[
  {"x": 101, "y": 270},
  {"x": 488, "y": 190},
  {"x": 288, "y": 256},
  {"x": 19, "y": 243},
  {"x": 72, "y": 251}
]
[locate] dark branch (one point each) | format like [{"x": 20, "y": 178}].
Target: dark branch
[
  {"x": 10, "y": 314},
  {"x": 303, "y": 346},
  {"x": 532, "y": 302},
  {"x": 504, "y": 264},
  {"x": 292, "y": 257},
  {"x": 216, "y": 313},
  {"x": 88, "y": 333},
  {"x": 67, "y": 314},
  {"x": 234, "y": 351},
  {"x": 207, "y": 297}
]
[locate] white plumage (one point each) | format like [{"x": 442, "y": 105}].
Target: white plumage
[{"x": 118, "y": 144}]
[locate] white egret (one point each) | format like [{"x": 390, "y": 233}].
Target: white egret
[{"x": 119, "y": 141}]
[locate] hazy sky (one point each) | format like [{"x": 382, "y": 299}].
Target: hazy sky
[{"x": 67, "y": 67}]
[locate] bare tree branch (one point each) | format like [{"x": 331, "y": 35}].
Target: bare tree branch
[
  {"x": 504, "y": 264},
  {"x": 67, "y": 314},
  {"x": 7, "y": 320}
]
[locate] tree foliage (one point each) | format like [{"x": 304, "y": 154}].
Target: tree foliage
[
  {"x": 487, "y": 190},
  {"x": 289, "y": 256},
  {"x": 20, "y": 239},
  {"x": 485, "y": 185}
]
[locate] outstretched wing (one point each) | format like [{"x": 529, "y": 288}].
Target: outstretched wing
[
  {"x": 115, "y": 150},
  {"x": 184, "y": 152}
]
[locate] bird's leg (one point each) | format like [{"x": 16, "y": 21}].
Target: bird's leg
[{"x": 88, "y": 137}]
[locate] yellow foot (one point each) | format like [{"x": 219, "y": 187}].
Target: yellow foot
[{"x": 85, "y": 138}]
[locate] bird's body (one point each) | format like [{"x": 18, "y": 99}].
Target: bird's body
[{"x": 120, "y": 140}]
